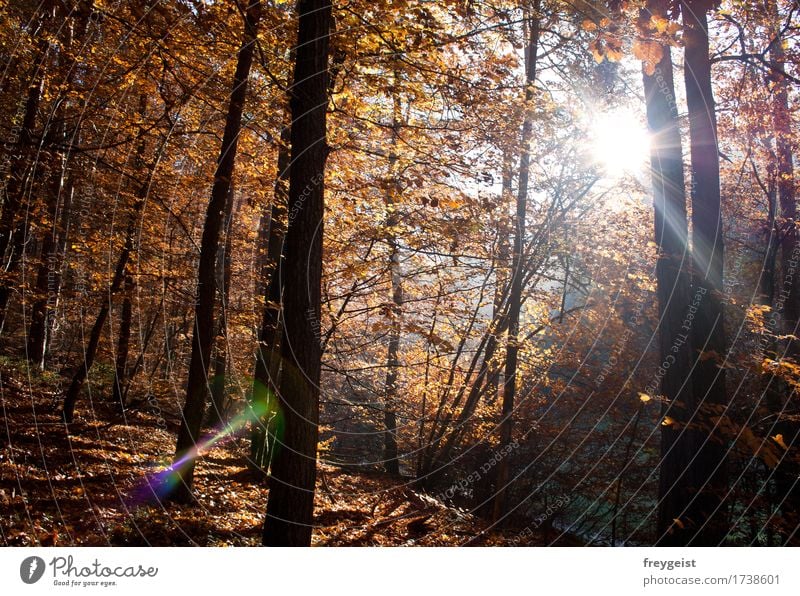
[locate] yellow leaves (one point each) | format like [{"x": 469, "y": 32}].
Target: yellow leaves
[
  {"x": 613, "y": 54},
  {"x": 668, "y": 421},
  {"x": 588, "y": 25},
  {"x": 749, "y": 441},
  {"x": 650, "y": 53},
  {"x": 325, "y": 446},
  {"x": 595, "y": 47},
  {"x": 606, "y": 48},
  {"x": 644, "y": 398},
  {"x": 779, "y": 440},
  {"x": 784, "y": 368},
  {"x": 664, "y": 26},
  {"x": 659, "y": 23}
]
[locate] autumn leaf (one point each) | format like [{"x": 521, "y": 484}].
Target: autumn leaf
[{"x": 779, "y": 440}]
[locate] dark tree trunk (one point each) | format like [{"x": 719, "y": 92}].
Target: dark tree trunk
[
  {"x": 203, "y": 329},
  {"x": 13, "y": 227},
  {"x": 787, "y": 486},
  {"x": 672, "y": 271},
  {"x": 290, "y": 506},
  {"x": 48, "y": 279},
  {"x": 71, "y": 397},
  {"x": 123, "y": 345},
  {"x": 701, "y": 448},
  {"x": 267, "y": 368},
  {"x": 219, "y": 382},
  {"x": 48, "y": 282},
  {"x": 500, "y": 505}
]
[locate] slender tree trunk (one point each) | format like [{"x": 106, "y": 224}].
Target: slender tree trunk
[
  {"x": 71, "y": 396},
  {"x": 49, "y": 276},
  {"x": 219, "y": 382},
  {"x": 13, "y": 227},
  {"x": 137, "y": 364},
  {"x": 391, "y": 462},
  {"x": 502, "y": 267},
  {"x": 203, "y": 329},
  {"x": 766, "y": 281},
  {"x": 702, "y": 448},
  {"x": 54, "y": 243},
  {"x": 267, "y": 368},
  {"x": 787, "y": 486},
  {"x": 123, "y": 345},
  {"x": 120, "y": 273},
  {"x": 290, "y": 506},
  {"x": 390, "y": 455},
  {"x": 627, "y": 461},
  {"x": 500, "y": 505}
]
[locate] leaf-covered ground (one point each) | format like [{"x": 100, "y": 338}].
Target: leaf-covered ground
[{"x": 86, "y": 487}]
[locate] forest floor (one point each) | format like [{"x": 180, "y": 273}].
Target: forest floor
[{"x": 84, "y": 487}]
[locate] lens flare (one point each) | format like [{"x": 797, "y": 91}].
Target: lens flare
[{"x": 159, "y": 485}]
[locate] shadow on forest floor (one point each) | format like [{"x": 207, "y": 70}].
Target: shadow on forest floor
[{"x": 77, "y": 488}]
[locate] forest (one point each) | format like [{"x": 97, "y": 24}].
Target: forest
[{"x": 399, "y": 273}]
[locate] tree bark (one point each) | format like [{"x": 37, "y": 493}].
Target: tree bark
[
  {"x": 203, "y": 329},
  {"x": 391, "y": 462},
  {"x": 13, "y": 227},
  {"x": 787, "y": 487},
  {"x": 216, "y": 414},
  {"x": 290, "y": 506},
  {"x": 500, "y": 505},
  {"x": 700, "y": 448},
  {"x": 672, "y": 269},
  {"x": 267, "y": 368},
  {"x": 123, "y": 345}
]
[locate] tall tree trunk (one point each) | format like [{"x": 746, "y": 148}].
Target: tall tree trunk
[
  {"x": 391, "y": 462},
  {"x": 500, "y": 505},
  {"x": 290, "y": 506},
  {"x": 54, "y": 243},
  {"x": 48, "y": 277},
  {"x": 672, "y": 271},
  {"x": 203, "y": 329},
  {"x": 14, "y": 227},
  {"x": 219, "y": 382},
  {"x": 267, "y": 368},
  {"x": 702, "y": 448},
  {"x": 787, "y": 486},
  {"x": 48, "y": 281}
]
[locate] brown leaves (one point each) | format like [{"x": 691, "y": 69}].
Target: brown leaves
[
  {"x": 650, "y": 53},
  {"x": 606, "y": 48},
  {"x": 654, "y": 35}
]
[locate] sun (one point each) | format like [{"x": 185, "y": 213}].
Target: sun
[{"x": 619, "y": 143}]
